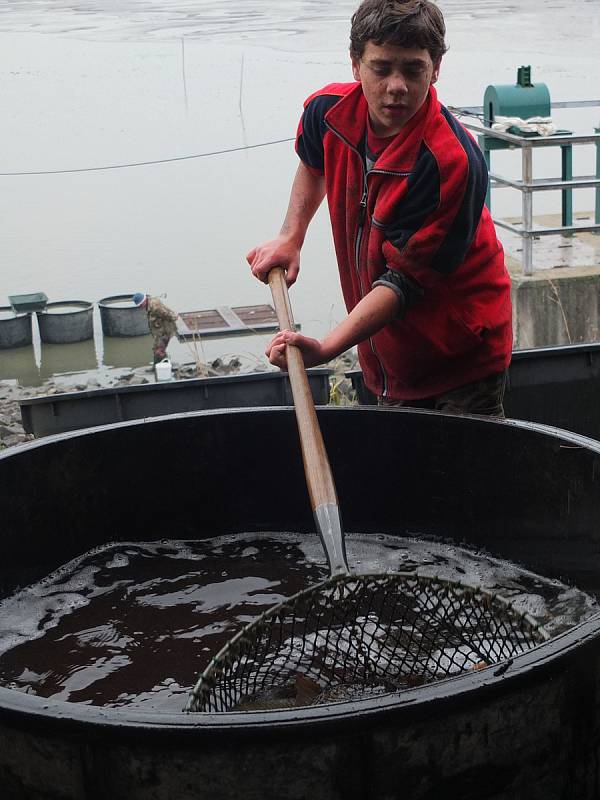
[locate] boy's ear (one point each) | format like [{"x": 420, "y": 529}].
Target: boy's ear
[
  {"x": 355, "y": 68},
  {"x": 436, "y": 71}
]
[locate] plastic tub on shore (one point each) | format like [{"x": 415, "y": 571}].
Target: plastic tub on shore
[
  {"x": 57, "y": 413},
  {"x": 66, "y": 321},
  {"x": 121, "y": 317},
  {"x": 15, "y": 328}
]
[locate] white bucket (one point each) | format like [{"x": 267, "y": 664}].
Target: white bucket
[{"x": 163, "y": 370}]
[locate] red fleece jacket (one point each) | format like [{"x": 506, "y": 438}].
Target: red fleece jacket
[{"x": 419, "y": 212}]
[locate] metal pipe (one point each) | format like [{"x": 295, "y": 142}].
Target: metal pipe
[
  {"x": 549, "y": 231},
  {"x": 597, "y": 206},
  {"x": 566, "y": 152},
  {"x": 547, "y": 184},
  {"x": 527, "y": 204}
]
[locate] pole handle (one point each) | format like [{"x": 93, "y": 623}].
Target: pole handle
[{"x": 319, "y": 478}]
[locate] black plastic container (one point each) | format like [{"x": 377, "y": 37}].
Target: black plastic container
[
  {"x": 529, "y": 730},
  {"x": 558, "y": 386},
  {"x": 57, "y": 413}
]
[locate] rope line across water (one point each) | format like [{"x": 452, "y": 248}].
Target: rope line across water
[{"x": 146, "y": 163}]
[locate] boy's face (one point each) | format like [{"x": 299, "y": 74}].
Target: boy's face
[{"x": 395, "y": 81}]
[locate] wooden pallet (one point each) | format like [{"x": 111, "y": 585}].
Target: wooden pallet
[{"x": 224, "y": 321}]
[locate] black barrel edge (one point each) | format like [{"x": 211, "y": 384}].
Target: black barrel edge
[
  {"x": 57, "y": 413},
  {"x": 556, "y": 386}
]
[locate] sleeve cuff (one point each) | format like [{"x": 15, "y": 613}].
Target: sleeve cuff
[{"x": 408, "y": 291}]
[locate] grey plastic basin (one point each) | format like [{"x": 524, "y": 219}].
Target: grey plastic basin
[
  {"x": 15, "y": 329},
  {"x": 120, "y": 317},
  {"x": 66, "y": 321}
]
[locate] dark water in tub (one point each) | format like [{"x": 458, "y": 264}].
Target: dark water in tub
[{"x": 134, "y": 624}]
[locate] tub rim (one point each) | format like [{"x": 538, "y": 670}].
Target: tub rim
[
  {"x": 107, "y": 302},
  {"x": 78, "y": 305},
  {"x": 15, "y": 314}
]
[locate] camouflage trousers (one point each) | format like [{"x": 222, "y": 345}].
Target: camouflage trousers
[
  {"x": 480, "y": 397},
  {"x": 159, "y": 346}
]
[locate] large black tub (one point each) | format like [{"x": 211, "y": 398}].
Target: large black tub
[{"x": 520, "y": 491}]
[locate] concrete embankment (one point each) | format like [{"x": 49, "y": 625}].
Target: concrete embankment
[{"x": 560, "y": 302}]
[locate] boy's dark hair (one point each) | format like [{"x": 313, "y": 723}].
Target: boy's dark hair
[{"x": 405, "y": 23}]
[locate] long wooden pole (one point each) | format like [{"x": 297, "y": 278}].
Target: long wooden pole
[{"x": 319, "y": 478}]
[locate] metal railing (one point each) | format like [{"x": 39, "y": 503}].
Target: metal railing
[{"x": 528, "y": 184}]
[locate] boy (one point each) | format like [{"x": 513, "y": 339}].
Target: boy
[{"x": 421, "y": 269}]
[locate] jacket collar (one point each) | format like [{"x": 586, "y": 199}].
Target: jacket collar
[{"x": 348, "y": 118}]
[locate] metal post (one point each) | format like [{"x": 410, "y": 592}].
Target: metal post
[
  {"x": 527, "y": 201},
  {"x": 567, "y": 194},
  {"x": 488, "y": 160},
  {"x": 597, "y": 215}
]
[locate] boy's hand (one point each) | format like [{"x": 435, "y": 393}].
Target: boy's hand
[
  {"x": 278, "y": 252},
  {"x": 313, "y": 352}
]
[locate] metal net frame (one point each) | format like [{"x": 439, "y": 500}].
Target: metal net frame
[{"x": 355, "y": 635}]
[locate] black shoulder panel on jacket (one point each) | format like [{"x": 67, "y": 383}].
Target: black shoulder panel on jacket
[
  {"x": 456, "y": 245},
  {"x": 310, "y": 141},
  {"x": 421, "y": 199}
]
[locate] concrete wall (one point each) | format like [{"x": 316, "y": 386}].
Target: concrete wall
[{"x": 556, "y": 306}]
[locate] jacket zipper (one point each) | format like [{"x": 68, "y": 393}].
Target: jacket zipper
[
  {"x": 359, "y": 235},
  {"x": 362, "y": 212}
]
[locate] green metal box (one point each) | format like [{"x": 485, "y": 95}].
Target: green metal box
[
  {"x": 28, "y": 302},
  {"x": 522, "y": 99}
]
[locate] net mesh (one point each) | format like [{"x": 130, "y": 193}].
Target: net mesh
[{"x": 357, "y": 635}]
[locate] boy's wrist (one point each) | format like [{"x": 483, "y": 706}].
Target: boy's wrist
[
  {"x": 329, "y": 348},
  {"x": 294, "y": 237}
]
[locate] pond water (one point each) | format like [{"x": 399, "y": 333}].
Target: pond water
[{"x": 92, "y": 88}]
